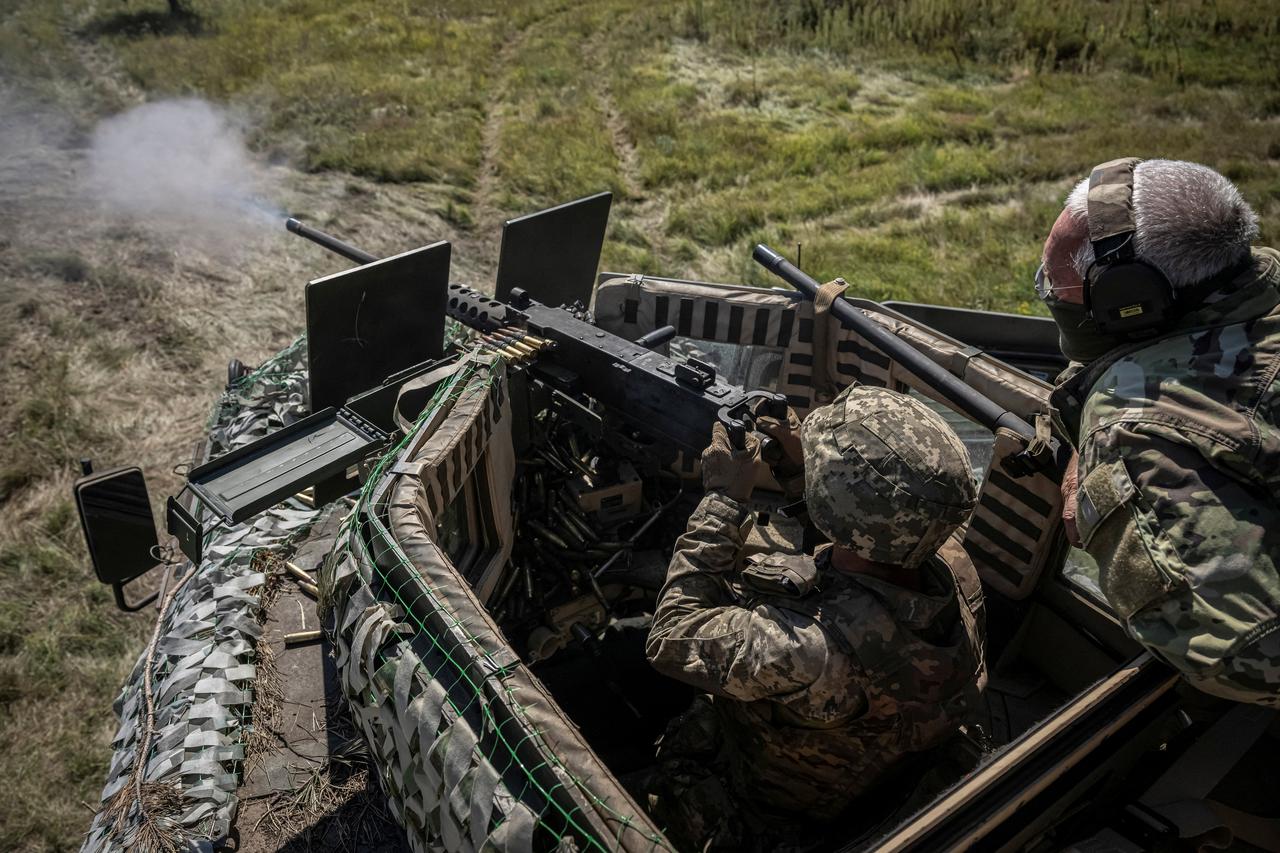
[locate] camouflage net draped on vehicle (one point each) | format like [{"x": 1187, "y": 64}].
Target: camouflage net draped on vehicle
[
  {"x": 202, "y": 672},
  {"x": 473, "y": 753}
]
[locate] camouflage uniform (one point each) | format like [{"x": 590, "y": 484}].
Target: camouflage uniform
[
  {"x": 815, "y": 697},
  {"x": 1179, "y": 442}
]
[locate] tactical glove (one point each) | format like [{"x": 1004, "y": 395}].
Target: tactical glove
[
  {"x": 788, "y": 466},
  {"x": 730, "y": 472}
]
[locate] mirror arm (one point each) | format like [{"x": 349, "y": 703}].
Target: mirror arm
[{"x": 123, "y": 604}]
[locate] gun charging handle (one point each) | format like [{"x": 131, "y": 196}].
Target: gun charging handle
[{"x": 656, "y": 338}]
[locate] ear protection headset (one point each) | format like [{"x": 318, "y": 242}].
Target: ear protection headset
[{"x": 1127, "y": 297}]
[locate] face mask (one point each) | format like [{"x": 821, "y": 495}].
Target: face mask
[{"x": 1078, "y": 335}]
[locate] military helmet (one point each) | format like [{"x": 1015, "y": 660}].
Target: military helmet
[{"x": 885, "y": 476}]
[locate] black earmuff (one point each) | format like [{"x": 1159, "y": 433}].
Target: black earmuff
[
  {"x": 1126, "y": 297},
  {"x": 1129, "y": 298}
]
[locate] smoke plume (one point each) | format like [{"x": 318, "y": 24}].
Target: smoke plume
[{"x": 181, "y": 167}]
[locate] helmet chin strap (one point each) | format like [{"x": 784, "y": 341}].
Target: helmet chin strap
[{"x": 851, "y": 562}]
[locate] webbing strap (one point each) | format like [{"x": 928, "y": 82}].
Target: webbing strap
[
  {"x": 825, "y": 385},
  {"x": 1261, "y": 832},
  {"x": 414, "y": 394},
  {"x": 1111, "y": 222},
  {"x": 960, "y": 359}
]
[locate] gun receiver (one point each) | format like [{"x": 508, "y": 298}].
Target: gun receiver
[{"x": 663, "y": 398}]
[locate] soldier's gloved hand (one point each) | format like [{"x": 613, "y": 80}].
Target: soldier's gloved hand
[
  {"x": 730, "y": 472},
  {"x": 788, "y": 468}
]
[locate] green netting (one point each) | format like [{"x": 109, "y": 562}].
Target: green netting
[{"x": 428, "y": 652}]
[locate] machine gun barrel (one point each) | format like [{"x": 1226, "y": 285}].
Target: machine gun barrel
[
  {"x": 330, "y": 242},
  {"x": 982, "y": 409}
]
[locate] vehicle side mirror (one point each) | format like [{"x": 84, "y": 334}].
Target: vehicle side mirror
[{"x": 115, "y": 514}]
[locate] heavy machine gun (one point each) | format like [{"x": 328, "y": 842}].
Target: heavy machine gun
[
  {"x": 675, "y": 402},
  {"x": 666, "y": 405}
]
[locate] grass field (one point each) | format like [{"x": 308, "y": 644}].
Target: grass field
[{"x": 920, "y": 149}]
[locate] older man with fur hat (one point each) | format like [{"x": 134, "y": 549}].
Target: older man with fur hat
[
  {"x": 1172, "y": 323},
  {"x": 825, "y": 673}
]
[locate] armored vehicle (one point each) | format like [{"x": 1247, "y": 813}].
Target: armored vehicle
[{"x": 490, "y": 485}]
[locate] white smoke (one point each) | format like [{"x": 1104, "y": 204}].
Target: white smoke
[{"x": 182, "y": 167}]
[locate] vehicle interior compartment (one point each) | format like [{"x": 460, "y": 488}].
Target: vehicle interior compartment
[{"x": 598, "y": 507}]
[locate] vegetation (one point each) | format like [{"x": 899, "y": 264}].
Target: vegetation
[
  {"x": 921, "y": 149},
  {"x": 917, "y": 148}
]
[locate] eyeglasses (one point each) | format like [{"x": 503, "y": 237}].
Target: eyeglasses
[
  {"x": 1043, "y": 285},
  {"x": 1045, "y": 288}
]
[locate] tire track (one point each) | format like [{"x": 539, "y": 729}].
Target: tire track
[{"x": 642, "y": 209}]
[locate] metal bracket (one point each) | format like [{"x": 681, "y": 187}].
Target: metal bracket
[{"x": 183, "y": 526}]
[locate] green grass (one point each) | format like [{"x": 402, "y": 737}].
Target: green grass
[
  {"x": 553, "y": 142},
  {"x": 749, "y": 119},
  {"x": 64, "y": 648},
  {"x": 389, "y": 91},
  {"x": 921, "y": 149},
  {"x": 46, "y": 427},
  {"x": 843, "y": 181}
]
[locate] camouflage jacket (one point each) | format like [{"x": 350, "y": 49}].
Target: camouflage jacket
[
  {"x": 818, "y": 695},
  {"x": 1179, "y": 442}
]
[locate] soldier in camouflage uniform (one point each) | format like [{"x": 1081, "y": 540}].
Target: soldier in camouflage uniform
[
  {"x": 824, "y": 673},
  {"x": 1178, "y": 434}
]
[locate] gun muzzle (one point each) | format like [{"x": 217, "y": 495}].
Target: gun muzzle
[
  {"x": 766, "y": 257},
  {"x": 333, "y": 244}
]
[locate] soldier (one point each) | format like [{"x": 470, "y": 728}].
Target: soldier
[
  {"x": 1172, "y": 325},
  {"x": 825, "y": 673}
]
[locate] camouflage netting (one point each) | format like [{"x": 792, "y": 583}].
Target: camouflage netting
[
  {"x": 473, "y": 753},
  {"x": 202, "y": 673}
]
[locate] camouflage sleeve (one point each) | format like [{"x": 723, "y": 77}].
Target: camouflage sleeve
[
  {"x": 702, "y": 637},
  {"x": 1180, "y": 541}
]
